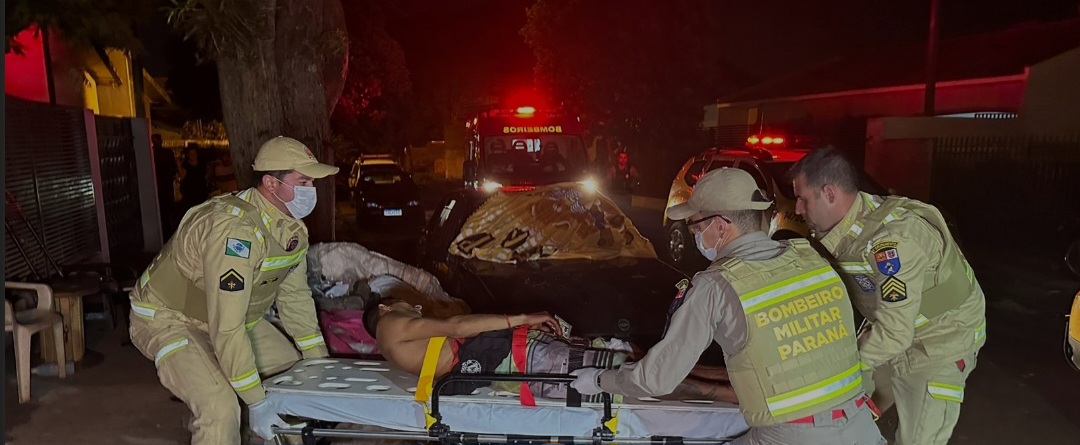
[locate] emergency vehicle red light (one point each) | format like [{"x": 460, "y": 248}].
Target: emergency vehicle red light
[
  {"x": 778, "y": 140},
  {"x": 526, "y": 110},
  {"x": 753, "y": 139},
  {"x": 766, "y": 140}
]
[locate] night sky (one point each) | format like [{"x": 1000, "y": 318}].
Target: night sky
[{"x": 480, "y": 38}]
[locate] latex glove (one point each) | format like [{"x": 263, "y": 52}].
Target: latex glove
[
  {"x": 587, "y": 381},
  {"x": 263, "y": 419}
]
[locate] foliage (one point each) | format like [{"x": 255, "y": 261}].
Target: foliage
[
  {"x": 220, "y": 27},
  {"x": 375, "y": 106},
  {"x": 83, "y": 23}
]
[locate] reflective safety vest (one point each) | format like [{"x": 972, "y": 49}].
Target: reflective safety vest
[
  {"x": 950, "y": 284},
  {"x": 800, "y": 356},
  {"x": 163, "y": 284}
]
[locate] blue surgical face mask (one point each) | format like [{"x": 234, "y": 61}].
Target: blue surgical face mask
[
  {"x": 304, "y": 199},
  {"x": 710, "y": 252}
]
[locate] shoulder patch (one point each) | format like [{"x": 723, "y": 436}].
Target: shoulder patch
[
  {"x": 231, "y": 281},
  {"x": 893, "y": 290},
  {"x": 865, "y": 283},
  {"x": 886, "y": 257},
  {"x": 237, "y": 247}
]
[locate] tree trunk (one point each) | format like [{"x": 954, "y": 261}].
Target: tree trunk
[
  {"x": 250, "y": 100},
  {"x": 279, "y": 88},
  {"x": 303, "y": 34}
]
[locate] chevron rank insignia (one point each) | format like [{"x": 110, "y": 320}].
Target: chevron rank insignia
[
  {"x": 893, "y": 290},
  {"x": 231, "y": 281}
]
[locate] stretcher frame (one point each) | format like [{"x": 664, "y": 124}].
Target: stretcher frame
[{"x": 442, "y": 433}]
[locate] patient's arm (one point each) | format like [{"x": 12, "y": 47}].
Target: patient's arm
[
  {"x": 407, "y": 329},
  {"x": 693, "y": 389}
]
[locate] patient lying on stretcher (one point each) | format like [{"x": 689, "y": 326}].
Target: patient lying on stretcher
[{"x": 484, "y": 343}]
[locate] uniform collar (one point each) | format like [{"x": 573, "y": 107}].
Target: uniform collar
[
  {"x": 745, "y": 245},
  {"x": 849, "y": 224},
  {"x": 264, "y": 205}
]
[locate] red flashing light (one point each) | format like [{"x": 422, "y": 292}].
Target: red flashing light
[
  {"x": 764, "y": 140},
  {"x": 778, "y": 140},
  {"x": 753, "y": 140},
  {"x": 526, "y": 110}
]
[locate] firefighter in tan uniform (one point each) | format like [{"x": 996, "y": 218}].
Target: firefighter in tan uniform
[
  {"x": 197, "y": 311},
  {"x": 925, "y": 312},
  {"x": 781, "y": 315}
]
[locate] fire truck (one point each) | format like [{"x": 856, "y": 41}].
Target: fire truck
[{"x": 514, "y": 149}]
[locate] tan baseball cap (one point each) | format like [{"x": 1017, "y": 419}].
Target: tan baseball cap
[
  {"x": 724, "y": 189},
  {"x": 284, "y": 153}
]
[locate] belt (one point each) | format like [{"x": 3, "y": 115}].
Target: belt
[{"x": 838, "y": 414}]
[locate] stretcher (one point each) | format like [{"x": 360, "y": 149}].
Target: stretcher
[{"x": 374, "y": 393}]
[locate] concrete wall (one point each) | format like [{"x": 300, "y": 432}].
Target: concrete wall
[
  {"x": 899, "y": 150},
  {"x": 1052, "y": 104}
]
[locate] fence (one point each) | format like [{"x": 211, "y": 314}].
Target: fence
[
  {"x": 119, "y": 186},
  {"x": 49, "y": 174},
  {"x": 1015, "y": 192}
]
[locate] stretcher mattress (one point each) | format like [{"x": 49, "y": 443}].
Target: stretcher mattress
[{"x": 375, "y": 393}]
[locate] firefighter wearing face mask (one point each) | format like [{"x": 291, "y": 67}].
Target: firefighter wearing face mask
[
  {"x": 197, "y": 310},
  {"x": 781, "y": 315}
]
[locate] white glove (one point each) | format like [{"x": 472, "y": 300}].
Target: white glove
[
  {"x": 587, "y": 381},
  {"x": 263, "y": 419}
]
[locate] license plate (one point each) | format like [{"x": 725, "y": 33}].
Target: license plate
[{"x": 391, "y": 212}]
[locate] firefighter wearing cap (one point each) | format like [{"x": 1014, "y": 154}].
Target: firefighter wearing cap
[
  {"x": 925, "y": 311},
  {"x": 197, "y": 310},
  {"x": 781, "y": 315}
]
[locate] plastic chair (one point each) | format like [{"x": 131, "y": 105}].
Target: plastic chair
[{"x": 25, "y": 324}]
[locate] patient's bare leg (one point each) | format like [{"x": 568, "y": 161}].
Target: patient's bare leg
[
  {"x": 694, "y": 389},
  {"x": 705, "y": 372}
]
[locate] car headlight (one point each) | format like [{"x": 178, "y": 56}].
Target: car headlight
[
  {"x": 491, "y": 186},
  {"x": 589, "y": 184},
  {"x": 414, "y": 203},
  {"x": 371, "y": 205}
]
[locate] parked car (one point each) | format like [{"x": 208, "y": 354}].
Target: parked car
[
  {"x": 1072, "y": 334},
  {"x": 562, "y": 248},
  {"x": 385, "y": 195},
  {"x": 767, "y": 159}
]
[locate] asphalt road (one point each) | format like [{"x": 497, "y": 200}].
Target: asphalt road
[{"x": 1022, "y": 390}]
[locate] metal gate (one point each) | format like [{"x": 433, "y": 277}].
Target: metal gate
[
  {"x": 1014, "y": 191},
  {"x": 120, "y": 186},
  {"x": 48, "y": 173}
]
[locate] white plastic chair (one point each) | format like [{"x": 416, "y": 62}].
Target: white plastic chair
[{"x": 25, "y": 324}]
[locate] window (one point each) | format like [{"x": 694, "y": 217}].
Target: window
[
  {"x": 758, "y": 177},
  {"x": 720, "y": 163},
  {"x": 694, "y": 172}
]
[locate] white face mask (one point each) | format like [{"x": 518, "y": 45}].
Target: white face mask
[
  {"x": 709, "y": 253},
  {"x": 304, "y": 199}
]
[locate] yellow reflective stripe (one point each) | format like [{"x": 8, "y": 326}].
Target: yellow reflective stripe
[
  {"x": 245, "y": 195},
  {"x": 786, "y": 289},
  {"x": 251, "y": 324},
  {"x": 311, "y": 341},
  {"x": 246, "y": 381},
  {"x": 168, "y": 349},
  {"x": 892, "y": 216},
  {"x": 266, "y": 219},
  {"x": 817, "y": 393},
  {"x": 945, "y": 391},
  {"x": 236, "y": 211},
  {"x": 856, "y": 267},
  {"x": 921, "y": 320},
  {"x": 970, "y": 273},
  {"x": 259, "y": 236},
  {"x": 145, "y": 278},
  {"x": 863, "y": 367},
  {"x": 856, "y": 229},
  {"x": 143, "y": 309},
  {"x": 980, "y": 332},
  {"x": 281, "y": 262},
  {"x": 427, "y": 369},
  {"x": 871, "y": 201}
]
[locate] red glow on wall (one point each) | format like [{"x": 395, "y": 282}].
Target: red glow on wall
[{"x": 24, "y": 74}]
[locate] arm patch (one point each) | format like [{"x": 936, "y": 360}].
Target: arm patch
[
  {"x": 231, "y": 281},
  {"x": 893, "y": 290}
]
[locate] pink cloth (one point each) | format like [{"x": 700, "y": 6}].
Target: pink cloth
[{"x": 345, "y": 334}]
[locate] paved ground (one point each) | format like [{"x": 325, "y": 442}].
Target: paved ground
[{"x": 1021, "y": 392}]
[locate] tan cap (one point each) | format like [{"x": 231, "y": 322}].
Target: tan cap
[
  {"x": 725, "y": 189},
  {"x": 283, "y": 153}
]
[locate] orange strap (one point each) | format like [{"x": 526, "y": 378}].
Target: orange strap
[{"x": 519, "y": 352}]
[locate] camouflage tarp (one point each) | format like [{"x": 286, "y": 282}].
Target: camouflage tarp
[{"x": 561, "y": 221}]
